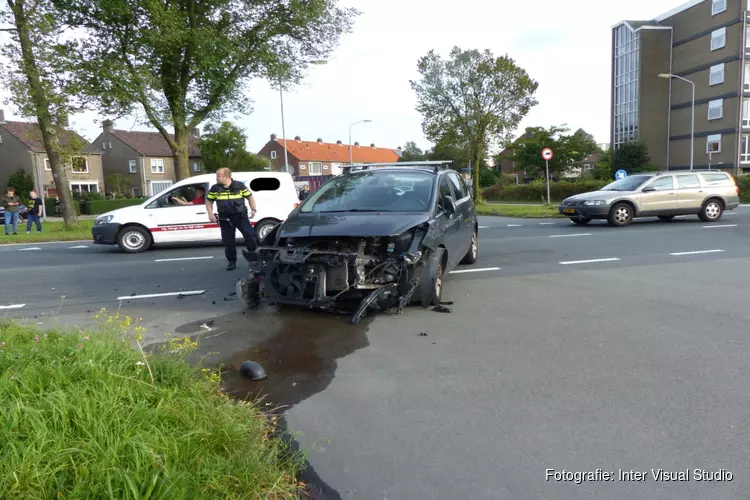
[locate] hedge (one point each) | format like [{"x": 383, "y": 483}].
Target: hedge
[
  {"x": 98, "y": 207},
  {"x": 49, "y": 206},
  {"x": 537, "y": 191},
  {"x": 743, "y": 182}
]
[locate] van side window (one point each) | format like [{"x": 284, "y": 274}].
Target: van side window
[{"x": 265, "y": 184}]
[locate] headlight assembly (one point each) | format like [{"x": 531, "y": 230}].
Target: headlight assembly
[
  {"x": 105, "y": 219},
  {"x": 594, "y": 203}
]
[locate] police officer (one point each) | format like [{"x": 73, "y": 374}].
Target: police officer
[{"x": 229, "y": 196}]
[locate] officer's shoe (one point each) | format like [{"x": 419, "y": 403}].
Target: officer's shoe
[{"x": 231, "y": 266}]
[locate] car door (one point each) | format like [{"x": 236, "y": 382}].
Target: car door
[
  {"x": 450, "y": 222},
  {"x": 658, "y": 196},
  {"x": 170, "y": 222},
  {"x": 690, "y": 192},
  {"x": 464, "y": 207}
]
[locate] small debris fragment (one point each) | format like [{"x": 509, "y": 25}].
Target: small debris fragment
[
  {"x": 157, "y": 286},
  {"x": 442, "y": 309},
  {"x": 447, "y": 303},
  {"x": 252, "y": 370},
  {"x": 227, "y": 299},
  {"x": 132, "y": 294},
  {"x": 210, "y": 322},
  {"x": 180, "y": 296},
  {"x": 423, "y": 334},
  {"x": 233, "y": 293},
  {"x": 213, "y": 302}
]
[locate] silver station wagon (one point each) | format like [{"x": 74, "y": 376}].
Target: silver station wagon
[{"x": 705, "y": 193}]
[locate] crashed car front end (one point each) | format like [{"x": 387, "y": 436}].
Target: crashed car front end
[{"x": 359, "y": 273}]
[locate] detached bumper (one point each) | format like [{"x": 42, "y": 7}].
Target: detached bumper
[
  {"x": 595, "y": 212},
  {"x": 105, "y": 234}
]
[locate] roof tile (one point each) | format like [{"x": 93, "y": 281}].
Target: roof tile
[
  {"x": 338, "y": 153},
  {"x": 30, "y": 135},
  {"x": 153, "y": 143}
]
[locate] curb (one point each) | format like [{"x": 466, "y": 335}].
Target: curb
[{"x": 43, "y": 243}]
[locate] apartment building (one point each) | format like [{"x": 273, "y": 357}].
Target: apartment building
[{"x": 698, "y": 49}]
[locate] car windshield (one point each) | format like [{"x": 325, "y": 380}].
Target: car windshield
[
  {"x": 627, "y": 184},
  {"x": 373, "y": 191}
]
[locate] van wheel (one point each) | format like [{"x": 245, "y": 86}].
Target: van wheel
[
  {"x": 134, "y": 239},
  {"x": 264, "y": 227},
  {"x": 711, "y": 211}
]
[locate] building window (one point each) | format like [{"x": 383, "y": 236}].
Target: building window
[
  {"x": 84, "y": 187},
  {"x": 746, "y": 78},
  {"x": 745, "y": 153},
  {"x": 747, "y": 37},
  {"x": 626, "y": 95},
  {"x": 746, "y": 112},
  {"x": 47, "y": 165},
  {"x": 718, "y": 6},
  {"x": 133, "y": 166},
  {"x": 196, "y": 167},
  {"x": 716, "y": 109},
  {"x": 719, "y": 38},
  {"x": 316, "y": 168},
  {"x": 157, "y": 166},
  {"x": 273, "y": 155},
  {"x": 80, "y": 165},
  {"x": 716, "y": 75},
  {"x": 713, "y": 143}
]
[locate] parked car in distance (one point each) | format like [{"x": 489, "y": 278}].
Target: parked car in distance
[
  {"x": 161, "y": 220},
  {"x": 21, "y": 214},
  {"x": 705, "y": 193}
]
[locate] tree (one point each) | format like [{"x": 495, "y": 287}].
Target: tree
[
  {"x": 183, "y": 62},
  {"x": 451, "y": 147},
  {"x": 33, "y": 73},
  {"x": 631, "y": 157},
  {"x": 22, "y": 182},
  {"x": 569, "y": 150},
  {"x": 412, "y": 152},
  {"x": 224, "y": 146},
  {"x": 119, "y": 185},
  {"x": 474, "y": 95}
]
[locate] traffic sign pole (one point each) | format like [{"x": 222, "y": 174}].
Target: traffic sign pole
[
  {"x": 548, "y": 197},
  {"x": 547, "y": 155}
]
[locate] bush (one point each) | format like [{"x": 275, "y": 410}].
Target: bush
[
  {"x": 743, "y": 182},
  {"x": 49, "y": 206},
  {"x": 86, "y": 415},
  {"x": 536, "y": 191},
  {"x": 487, "y": 177},
  {"x": 98, "y": 207}
]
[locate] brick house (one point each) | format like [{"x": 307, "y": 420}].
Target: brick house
[
  {"x": 143, "y": 157},
  {"x": 309, "y": 158},
  {"x": 21, "y": 147}
]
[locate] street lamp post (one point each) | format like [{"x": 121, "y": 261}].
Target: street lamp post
[
  {"x": 283, "y": 125},
  {"x": 692, "y": 115},
  {"x": 350, "y": 137}
]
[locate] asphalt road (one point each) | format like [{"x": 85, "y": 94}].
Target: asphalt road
[{"x": 568, "y": 348}]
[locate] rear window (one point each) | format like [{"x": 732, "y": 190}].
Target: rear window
[
  {"x": 719, "y": 178},
  {"x": 265, "y": 184}
]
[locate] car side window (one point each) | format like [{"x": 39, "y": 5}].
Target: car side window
[
  {"x": 185, "y": 193},
  {"x": 444, "y": 190},
  {"x": 663, "y": 184},
  {"x": 689, "y": 181},
  {"x": 717, "y": 179},
  {"x": 458, "y": 186}
]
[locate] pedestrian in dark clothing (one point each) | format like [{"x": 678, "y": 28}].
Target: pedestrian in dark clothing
[
  {"x": 35, "y": 213},
  {"x": 229, "y": 196}
]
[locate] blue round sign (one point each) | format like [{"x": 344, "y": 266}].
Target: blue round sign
[{"x": 620, "y": 174}]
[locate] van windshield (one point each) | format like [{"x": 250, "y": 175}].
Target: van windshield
[{"x": 374, "y": 191}]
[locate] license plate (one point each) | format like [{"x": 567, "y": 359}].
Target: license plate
[{"x": 569, "y": 210}]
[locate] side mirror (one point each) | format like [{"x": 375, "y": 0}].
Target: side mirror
[
  {"x": 648, "y": 189},
  {"x": 449, "y": 205}
]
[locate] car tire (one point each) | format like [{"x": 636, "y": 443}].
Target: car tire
[
  {"x": 620, "y": 215},
  {"x": 433, "y": 273},
  {"x": 264, "y": 227},
  {"x": 711, "y": 210},
  {"x": 581, "y": 221},
  {"x": 666, "y": 218},
  {"x": 473, "y": 253},
  {"x": 134, "y": 239}
]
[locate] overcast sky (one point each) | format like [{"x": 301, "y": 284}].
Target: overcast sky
[{"x": 564, "y": 45}]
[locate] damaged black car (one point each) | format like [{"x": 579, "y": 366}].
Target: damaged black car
[{"x": 377, "y": 237}]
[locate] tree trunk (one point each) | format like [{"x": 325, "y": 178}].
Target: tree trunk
[
  {"x": 181, "y": 153},
  {"x": 475, "y": 166},
  {"x": 41, "y": 103}
]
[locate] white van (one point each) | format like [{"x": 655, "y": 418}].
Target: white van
[{"x": 161, "y": 219}]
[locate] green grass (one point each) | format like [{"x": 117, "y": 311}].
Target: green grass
[
  {"x": 88, "y": 415},
  {"x": 522, "y": 211},
  {"x": 51, "y": 231}
]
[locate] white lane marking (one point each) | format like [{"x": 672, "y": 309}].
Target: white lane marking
[
  {"x": 185, "y": 258},
  {"x": 730, "y": 213},
  {"x": 547, "y": 223},
  {"x": 31, "y": 248},
  {"x": 515, "y": 225},
  {"x": 170, "y": 294},
  {"x": 484, "y": 227},
  {"x": 13, "y": 306},
  {"x": 720, "y": 225},
  {"x": 569, "y": 235},
  {"x": 475, "y": 270},
  {"x": 588, "y": 261},
  {"x": 696, "y": 252},
  {"x": 79, "y": 246}
]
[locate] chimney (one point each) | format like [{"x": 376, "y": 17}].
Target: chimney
[
  {"x": 297, "y": 138},
  {"x": 356, "y": 144},
  {"x": 339, "y": 143},
  {"x": 399, "y": 148},
  {"x": 273, "y": 137},
  {"x": 372, "y": 145},
  {"x": 196, "y": 133},
  {"x": 320, "y": 141},
  {"x": 2, "y": 116},
  {"x": 108, "y": 125}
]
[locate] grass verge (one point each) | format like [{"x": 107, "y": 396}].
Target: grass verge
[
  {"x": 51, "y": 231},
  {"x": 88, "y": 415},
  {"x": 522, "y": 211}
]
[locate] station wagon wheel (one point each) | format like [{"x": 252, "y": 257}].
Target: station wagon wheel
[
  {"x": 134, "y": 239},
  {"x": 620, "y": 215},
  {"x": 711, "y": 210}
]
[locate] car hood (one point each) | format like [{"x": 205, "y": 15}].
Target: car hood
[
  {"x": 599, "y": 195},
  {"x": 338, "y": 224},
  {"x": 124, "y": 214}
]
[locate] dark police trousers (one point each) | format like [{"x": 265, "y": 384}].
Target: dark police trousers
[{"x": 228, "y": 224}]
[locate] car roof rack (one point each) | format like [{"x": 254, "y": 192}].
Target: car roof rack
[{"x": 435, "y": 164}]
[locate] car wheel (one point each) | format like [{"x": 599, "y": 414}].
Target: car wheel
[
  {"x": 264, "y": 227},
  {"x": 581, "y": 221},
  {"x": 666, "y": 218},
  {"x": 471, "y": 255},
  {"x": 433, "y": 273},
  {"x": 134, "y": 239},
  {"x": 711, "y": 211},
  {"x": 620, "y": 215}
]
